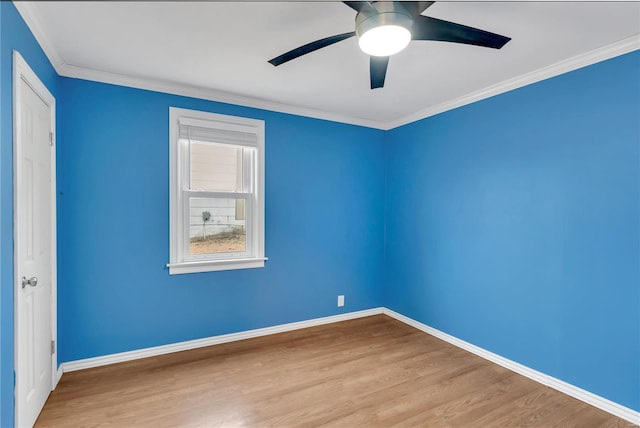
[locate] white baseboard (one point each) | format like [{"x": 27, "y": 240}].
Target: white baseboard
[
  {"x": 550, "y": 381},
  {"x": 57, "y": 378},
  {"x": 208, "y": 341}
]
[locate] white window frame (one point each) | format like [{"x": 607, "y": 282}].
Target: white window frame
[{"x": 179, "y": 193}]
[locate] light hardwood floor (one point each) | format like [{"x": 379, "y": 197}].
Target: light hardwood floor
[{"x": 371, "y": 371}]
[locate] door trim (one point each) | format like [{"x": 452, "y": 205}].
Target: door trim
[{"x": 22, "y": 72}]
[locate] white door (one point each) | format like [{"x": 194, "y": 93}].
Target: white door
[{"x": 34, "y": 242}]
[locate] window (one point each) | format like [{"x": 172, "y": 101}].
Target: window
[{"x": 216, "y": 192}]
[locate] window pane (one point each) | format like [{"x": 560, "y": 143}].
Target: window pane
[
  {"x": 215, "y": 226},
  {"x": 215, "y": 167}
]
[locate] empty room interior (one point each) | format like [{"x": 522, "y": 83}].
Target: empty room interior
[{"x": 342, "y": 214}]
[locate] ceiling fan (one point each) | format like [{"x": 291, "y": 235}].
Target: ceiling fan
[{"x": 386, "y": 27}]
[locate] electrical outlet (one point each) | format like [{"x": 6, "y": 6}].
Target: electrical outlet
[{"x": 340, "y": 300}]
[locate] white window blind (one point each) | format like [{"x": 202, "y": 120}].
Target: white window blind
[{"x": 216, "y": 132}]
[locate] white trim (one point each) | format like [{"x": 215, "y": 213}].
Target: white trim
[
  {"x": 583, "y": 60},
  {"x": 175, "y": 88},
  {"x": 216, "y": 265},
  {"x": 209, "y": 341},
  {"x": 550, "y": 381},
  {"x": 56, "y": 379},
  {"x": 23, "y": 73},
  {"x": 30, "y": 17},
  {"x": 25, "y": 9},
  {"x": 63, "y": 69},
  {"x": 180, "y": 262},
  {"x": 214, "y": 262}
]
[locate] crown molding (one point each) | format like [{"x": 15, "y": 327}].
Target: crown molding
[
  {"x": 601, "y": 54},
  {"x": 192, "y": 91},
  {"x": 25, "y": 9},
  {"x": 621, "y": 47}
]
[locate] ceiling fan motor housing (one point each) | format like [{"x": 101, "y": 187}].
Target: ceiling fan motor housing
[{"x": 385, "y": 13}]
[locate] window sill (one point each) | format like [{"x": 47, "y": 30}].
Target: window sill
[{"x": 215, "y": 265}]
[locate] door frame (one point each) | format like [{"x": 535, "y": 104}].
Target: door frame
[{"x": 23, "y": 73}]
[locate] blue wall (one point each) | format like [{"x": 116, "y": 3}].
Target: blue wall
[
  {"x": 513, "y": 223},
  {"x": 14, "y": 34},
  {"x": 324, "y": 225}
]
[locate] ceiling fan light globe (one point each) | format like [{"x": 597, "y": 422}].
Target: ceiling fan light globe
[{"x": 384, "y": 40}]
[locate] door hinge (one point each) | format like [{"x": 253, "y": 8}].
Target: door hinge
[
  {"x": 53, "y": 347},
  {"x": 51, "y": 139}
]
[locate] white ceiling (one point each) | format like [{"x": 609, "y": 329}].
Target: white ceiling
[{"x": 219, "y": 50}]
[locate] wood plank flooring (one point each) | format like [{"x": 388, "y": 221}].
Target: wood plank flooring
[{"x": 372, "y": 371}]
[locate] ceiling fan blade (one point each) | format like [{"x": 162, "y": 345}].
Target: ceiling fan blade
[
  {"x": 310, "y": 47},
  {"x": 378, "y": 70},
  {"x": 427, "y": 28},
  {"x": 359, "y": 5}
]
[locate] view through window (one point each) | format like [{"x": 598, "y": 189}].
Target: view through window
[{"x": 217, "y": 225}]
